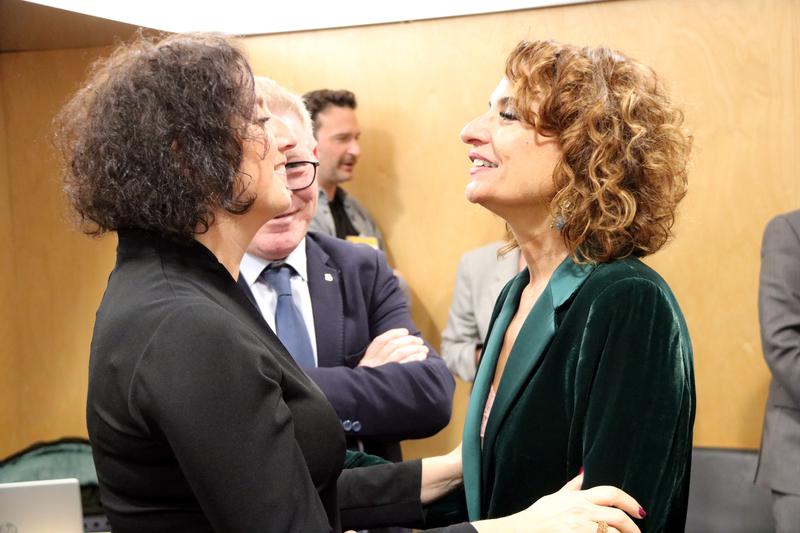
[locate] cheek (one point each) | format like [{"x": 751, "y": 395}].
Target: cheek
[{"x": 307, "y": 202}]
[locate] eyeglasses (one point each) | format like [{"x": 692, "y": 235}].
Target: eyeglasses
[{"x": 300, "y": 174}]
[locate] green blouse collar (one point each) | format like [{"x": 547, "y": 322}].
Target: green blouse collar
[
  {"x": 535, "y": 334},
  {"x": 566, "y": 279}
]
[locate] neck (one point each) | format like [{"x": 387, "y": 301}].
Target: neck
[
  {"x": 228, "y": 239},
  {"x": 330, "y": 190},
  {"x": 541, "y": 247}
]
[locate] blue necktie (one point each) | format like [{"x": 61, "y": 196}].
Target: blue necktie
[{"x": 291, "y": 328}]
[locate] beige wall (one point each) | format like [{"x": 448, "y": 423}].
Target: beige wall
[
  {"x": 730, "y": 63},
  {"x": 8, "y": 361},
  {"x": 55, "y": 275}
]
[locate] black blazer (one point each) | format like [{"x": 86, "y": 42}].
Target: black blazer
[{"x": 199, "y": 419}]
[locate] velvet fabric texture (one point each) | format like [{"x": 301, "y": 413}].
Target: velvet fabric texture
[{"x": 600, "y": 377}]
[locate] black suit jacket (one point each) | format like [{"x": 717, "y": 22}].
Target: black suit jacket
[
  {"x": 199, "y": 419},
  {"x": 355, "y": 297}
]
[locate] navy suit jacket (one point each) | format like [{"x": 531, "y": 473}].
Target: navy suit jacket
[{"x": 355, "y": 297}]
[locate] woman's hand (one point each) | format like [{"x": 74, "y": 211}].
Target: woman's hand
[
  {"x": 440, "y": 475},
  {"x": 571, "y": 510}
]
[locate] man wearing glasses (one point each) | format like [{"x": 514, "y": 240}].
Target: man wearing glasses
[{"x": 340, "y": 312}]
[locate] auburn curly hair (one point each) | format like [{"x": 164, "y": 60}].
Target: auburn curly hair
[
  {"x": 154, "y": 139},
  {"x": 623, "y": 168}
]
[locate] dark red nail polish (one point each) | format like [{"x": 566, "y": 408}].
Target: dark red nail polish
[
  {"x": 580, "y": 471},
  {"x": 642, "y": 513}
]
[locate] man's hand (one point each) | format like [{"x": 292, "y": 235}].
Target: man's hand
[{"x": 394, "y": 346}]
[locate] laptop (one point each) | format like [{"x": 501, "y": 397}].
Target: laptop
[{"x": 51, "y": 506}]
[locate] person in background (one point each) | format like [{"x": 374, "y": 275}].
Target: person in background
[
  {"x": 359, "y": 345},
  {"x": 481, "y": 275},
  {"x": 339, "y": 214},
  {"x": 779, "y": 317}
]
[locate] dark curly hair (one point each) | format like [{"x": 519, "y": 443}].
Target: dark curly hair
[
  {"x": 319, "y": 100},
  {"x": 623, "y": 168},
  {"x": 154, "y": 139}
]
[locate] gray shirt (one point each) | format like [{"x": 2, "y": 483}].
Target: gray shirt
[{"x": 357, "y": 213}]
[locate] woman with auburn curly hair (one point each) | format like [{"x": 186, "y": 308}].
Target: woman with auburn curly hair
[{"x": 587, "y": 365}]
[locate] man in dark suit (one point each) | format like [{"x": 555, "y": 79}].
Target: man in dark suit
[
  {"x": 364, "y": 352},
  {"x": 779, "y": 316}
]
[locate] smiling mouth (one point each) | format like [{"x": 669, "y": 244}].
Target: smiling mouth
[
  {"x": 482, "y": 163},
  {"x": 284, "y": 215}
]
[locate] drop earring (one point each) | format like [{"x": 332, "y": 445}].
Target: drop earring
[{"x": 560, "y": 219}]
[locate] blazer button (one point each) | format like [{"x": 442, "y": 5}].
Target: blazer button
[
  {"x": 347, "y": 425},
  {"x": 356, "y": 426}
]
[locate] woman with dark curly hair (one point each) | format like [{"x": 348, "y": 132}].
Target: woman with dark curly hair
[
  {"x": 199, "y": 418},
  {"x": 169, "y": 146},
  {"x": 587, "y": 365}
]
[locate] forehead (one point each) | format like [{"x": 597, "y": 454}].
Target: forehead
[
  {"x": 338, "y": 118},
  {"x": 261, "y": 98},
  {"x": 501, "y": 93},
  {"x": 305, "y": 141}
]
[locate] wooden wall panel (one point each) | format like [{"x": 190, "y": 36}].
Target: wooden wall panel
[
  {"x": 732, "y": 64},
  {"x": 58, "y": 274},
  {"x": 9, "y": 374}
]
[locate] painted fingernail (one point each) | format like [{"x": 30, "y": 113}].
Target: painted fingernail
[
  {"x": 642, "y": 512},
  {"x": 580, "y": 471}
]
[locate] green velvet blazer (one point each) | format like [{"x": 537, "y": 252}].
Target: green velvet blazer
[{"x": 600, "y": 377}]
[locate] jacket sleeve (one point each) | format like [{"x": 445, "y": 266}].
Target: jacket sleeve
[
  {"x": 374, "y": 493},
  {"x": 779, "y": 304},
  {"x": 393, "y": 401},
  {"x": 225, "y": 420},
  {"x": 461, "y": 337},
  {"x": 637, "y": 371}
]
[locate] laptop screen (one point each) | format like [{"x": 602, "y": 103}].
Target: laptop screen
[{"x": 51, "y": 506}]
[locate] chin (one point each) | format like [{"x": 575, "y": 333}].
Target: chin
[
  {"x": 473, "y": 193},
  {"x": 274, "y": 247}
]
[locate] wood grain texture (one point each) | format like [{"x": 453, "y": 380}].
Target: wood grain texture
[
  {"x": 9, "y": 372},
  {"x": 25, "y": 26},
  {"x": 731, "y": 64},
  {"x": 58, "y": 274}
]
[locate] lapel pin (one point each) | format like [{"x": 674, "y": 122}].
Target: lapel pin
[{"x": 328, "y": 276}]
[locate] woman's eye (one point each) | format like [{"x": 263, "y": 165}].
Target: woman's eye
[{"x": 508, "y": 115}]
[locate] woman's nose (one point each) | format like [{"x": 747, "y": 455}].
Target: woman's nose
[{"x": 475, "y": 132}]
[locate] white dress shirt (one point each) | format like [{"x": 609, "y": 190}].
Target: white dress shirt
[{"x": 266, "y": 297}]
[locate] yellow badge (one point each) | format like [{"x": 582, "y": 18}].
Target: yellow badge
[{"x": 360, "y": 239}]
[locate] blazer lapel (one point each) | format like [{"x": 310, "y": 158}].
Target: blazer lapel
[
  {"x": 324, "y": 285},
  {"x": 536, "y": 333},
  {"x": 471, "y": 441},
  {"x": 243, "y": 285},
  {"x": 534, "y": 337}
]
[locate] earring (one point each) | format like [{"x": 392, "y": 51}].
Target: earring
[{"x": 560, "y": 219}]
